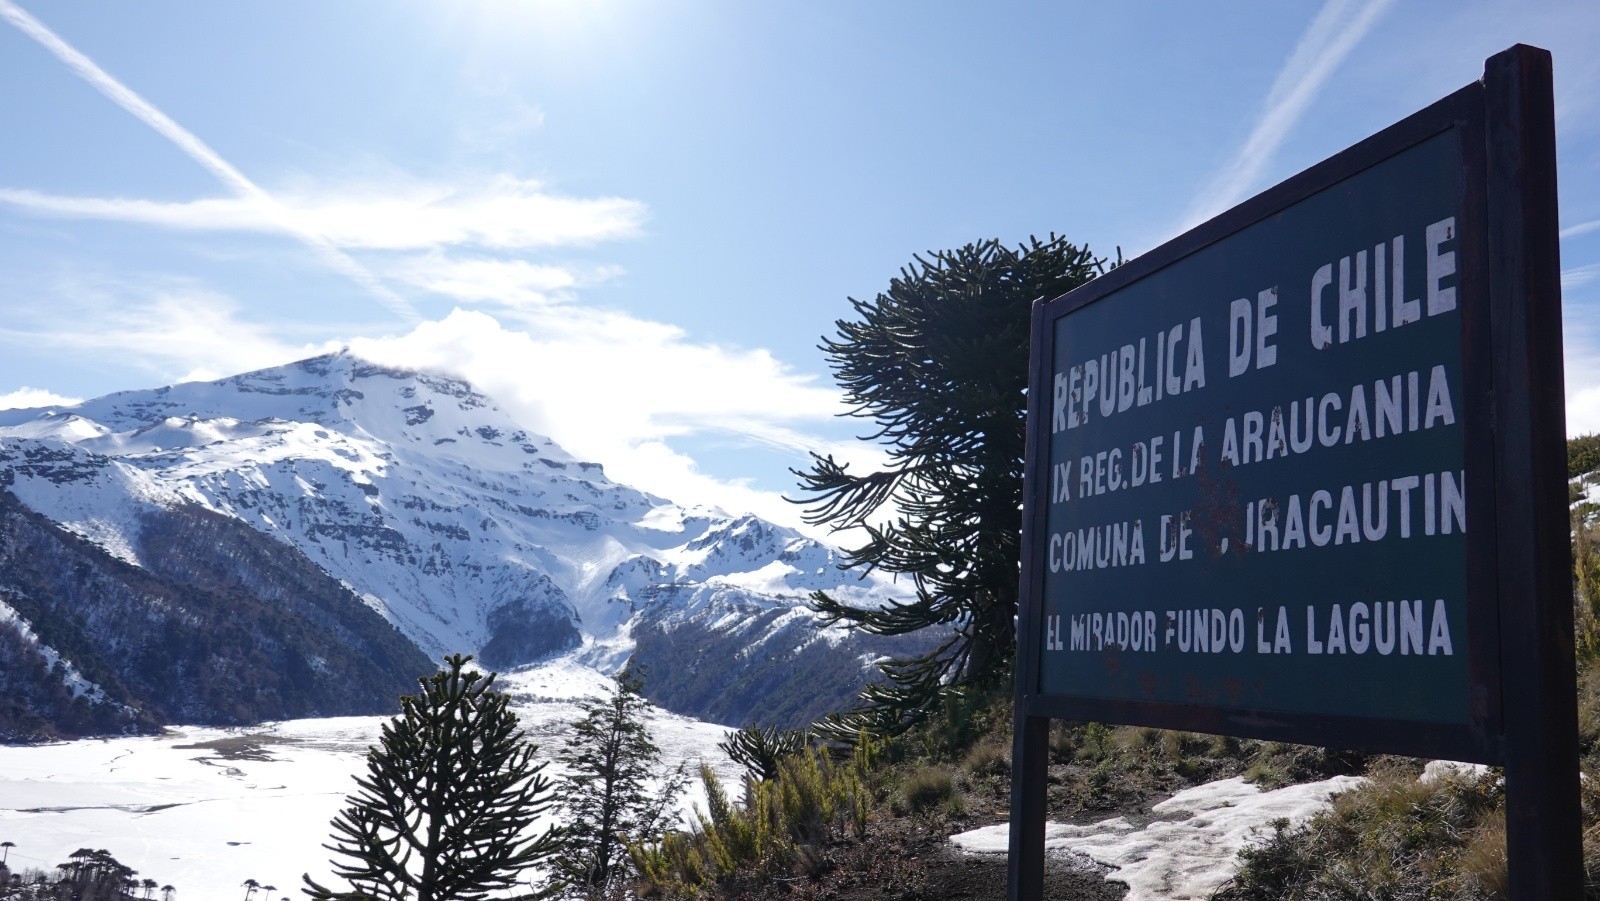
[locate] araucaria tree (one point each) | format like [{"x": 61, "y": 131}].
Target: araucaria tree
[
  {"x": 609, "y": 801},
  {"x": 450, "y": 794},
  {"x": 939, "y": 363}
]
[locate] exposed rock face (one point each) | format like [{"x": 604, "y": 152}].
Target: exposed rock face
[
  {"x": 447, "y": 519},
  {"x": 528, "y": 629}
]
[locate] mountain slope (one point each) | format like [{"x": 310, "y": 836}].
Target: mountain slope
[
  {"x": 462, "y": 529},
  {"x": 230, "y": 628}
]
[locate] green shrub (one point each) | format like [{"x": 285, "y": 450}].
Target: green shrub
[
  {"x": 759, "y": 750},
  {"x": 927, "y": 789},
  {"x": 1583, "y": 455},
  {"x": 1221, "y": 745},
  {"x": 1096, "y": 744},
  {"x": 671, "y": 863},
  {"x": 961, "y": 721},
  {"x": 1586, "y": 586},
  {"x": 1395, "y": 836},
  {"x": 1099, "y": 777},
  {"x": 1136, "y": 738},
  {"x": 1276, "y": 764},
  {"x": 1266, "y": 774},
  {"x": 752, "y": 836},
  {"x": 1589, "y": 709},
  {"x": 810, "y": 800},
  {"x": 987, "y": 760},
  {"x": 1064, "y": 738}
]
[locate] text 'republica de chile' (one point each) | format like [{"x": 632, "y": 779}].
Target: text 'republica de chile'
[{"x": 1351, "y": 298}]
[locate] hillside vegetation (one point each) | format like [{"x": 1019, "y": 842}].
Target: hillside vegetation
[
  {"x": 221, "y": 626},
  {"x": 874, "y": 825},
  {"x": 873, "y": 821}
]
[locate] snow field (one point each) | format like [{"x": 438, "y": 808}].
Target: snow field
[
  {"x": 206, "y": 808},
  {"x": 1190, "y": 847},
  {"x": 256, "y": 804}
]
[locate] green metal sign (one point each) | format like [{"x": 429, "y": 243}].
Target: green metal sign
[
  {"x": 1257, "y": 477},
  {"x": 1299, "y": 474}
]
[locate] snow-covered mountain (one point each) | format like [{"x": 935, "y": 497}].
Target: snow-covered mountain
[{"x": 458, "y": 526}]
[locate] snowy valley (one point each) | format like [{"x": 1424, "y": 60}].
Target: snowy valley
[
  {"x": 204, "y": 808},
  {"x": 263, "y": 563}
]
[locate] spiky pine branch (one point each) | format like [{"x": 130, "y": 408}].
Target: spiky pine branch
[
  {"x": 444, "y": 809},
  {"x": 939, "y": 364}
]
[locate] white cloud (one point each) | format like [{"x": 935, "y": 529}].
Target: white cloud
[
  {"x": 616, "y": 389},
  {"x": 25, "y": 398},
  {"x": 1583, "y": 411},
  {"x": 250, "y": 194},
  {"x": 609, "y": 387},
  {"x": 1581, "y": 353},
  {"x": 1582, "y": 228},
  {"x": 1579, "y": 275},
  {"x": 498, "y": 213},
  {"x": 1583, "y": 387},
  {"x": 501, "y": 212},
  {"x": 508, "y": 282},
  {"x": 637, "y": 395},
  {"x": 1336, "y": 30},
  {"x": 175, "y": 330}
]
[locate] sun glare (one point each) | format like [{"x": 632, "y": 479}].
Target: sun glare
[
  {"x": 557, "y": 20},
  {"x": 571, "y": 35}
]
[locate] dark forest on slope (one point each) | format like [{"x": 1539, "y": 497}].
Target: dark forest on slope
[{"x": 224, "y": 626}]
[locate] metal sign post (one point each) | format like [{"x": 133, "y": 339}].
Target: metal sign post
[
  {"x": 1299, "y": 474},
  {"x": 1544, "y": 841}
]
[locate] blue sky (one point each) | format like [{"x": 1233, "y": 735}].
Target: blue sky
[{"x": 631, "y": 222}]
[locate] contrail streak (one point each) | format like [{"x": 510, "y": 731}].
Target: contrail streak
[
  {"x": 1582, "y": 228},
  {"x": 123, "y": 96},
  {"x": 1334, "y": 32}
]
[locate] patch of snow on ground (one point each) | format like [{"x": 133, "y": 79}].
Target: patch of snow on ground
[
  {"x": 255, "y": 803},
  {"x": 74, "y": 680},
  {"x": 1190, "y": 847},
  {"x": 563, "y": 679},
  {"x": 1591, "y": 487},
  {"x": 769, "y": 579},
  {"x": 1441, "y": 769},
  {"x": 109, "y": 536}
]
